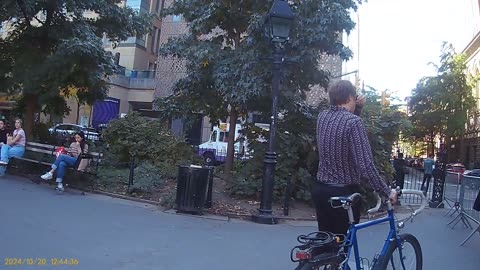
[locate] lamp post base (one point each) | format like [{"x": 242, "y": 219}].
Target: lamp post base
[
  {"x": 433, "y": 204},
  {"x": 268, "y": 219}
]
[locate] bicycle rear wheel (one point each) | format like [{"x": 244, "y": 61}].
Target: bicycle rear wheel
[{"x": 410, "y": 258}]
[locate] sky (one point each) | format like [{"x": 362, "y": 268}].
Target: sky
[{"x": 398, "y": 40}]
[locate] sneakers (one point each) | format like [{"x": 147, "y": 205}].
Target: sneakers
[
  {"x": 59, "y": 187},
  {"x": 47, "y": 176}
]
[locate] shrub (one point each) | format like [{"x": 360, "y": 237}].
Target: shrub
[
  {"x": 41, "y": 134},
  {"x": 296, "y": 160},
  {"x": 155, "y": 151},
  {"x": 112, "y": 179},
  {"x": 147, "y": 140},
  {"x": 147, "y": 177}
]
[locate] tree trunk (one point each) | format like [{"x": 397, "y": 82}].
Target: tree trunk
[
  {"x": 231, "y": 141},
  {"x": 31, "y": 105},
  {"x": 462, "y": 157},
  {"x": 78, "y": 112},
  {"x": 448, "y": 148},
  {"x": 432, "y": 144}
]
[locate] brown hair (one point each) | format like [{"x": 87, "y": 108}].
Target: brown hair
[{"x": 340, "y": 91}]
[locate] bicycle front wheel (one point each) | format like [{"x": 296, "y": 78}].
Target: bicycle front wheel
[{"x": 407, "y": 256}]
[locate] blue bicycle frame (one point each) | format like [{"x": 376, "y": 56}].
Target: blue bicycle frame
[{"x": 352, "y": 237}]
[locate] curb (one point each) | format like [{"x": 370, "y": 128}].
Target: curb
[
  {"x": 207, "y": 215},
  {"x": 115, "y": 195}
]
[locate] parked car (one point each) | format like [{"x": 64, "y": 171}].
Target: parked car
[
  {"x": 474, "y": 172},
  {"x": 67, "y": 130},
  {"x": 474, "y": 182},
  {"x": 456, "y": 168}
]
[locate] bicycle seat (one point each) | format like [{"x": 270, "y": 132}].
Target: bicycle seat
[{"x": 350, "y": 200}]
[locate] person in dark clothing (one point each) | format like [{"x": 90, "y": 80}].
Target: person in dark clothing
[
  {"x": 428, "y": 165},
  {"x": 399, "y": 166},
  {"x": 3, "y": 132},
  {"x": 476, "y": 204},
  {"x": 345, "y": 158}
]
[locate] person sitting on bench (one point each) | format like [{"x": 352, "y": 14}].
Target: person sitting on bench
[
  {"x": 3, "y": 132},
  {"x": 15, "y": 146},
  {"x": 63, "y": 161}
]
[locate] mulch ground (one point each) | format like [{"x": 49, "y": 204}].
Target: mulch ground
[{"x": 225, "y": 205}]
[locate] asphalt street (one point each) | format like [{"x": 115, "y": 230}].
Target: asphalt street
[{"x": 106, "y": 233}]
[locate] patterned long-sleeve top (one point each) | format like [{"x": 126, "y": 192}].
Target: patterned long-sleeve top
[{"x": 345, "y": 155}]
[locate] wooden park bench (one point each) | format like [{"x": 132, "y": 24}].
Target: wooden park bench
[{"x": 42, "y": 156}]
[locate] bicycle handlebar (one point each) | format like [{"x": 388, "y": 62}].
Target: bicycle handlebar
[
  {"x": 402, "y": 191},
  {"x": 377, "y": 207},
  {"x": 418, "y": 193}
]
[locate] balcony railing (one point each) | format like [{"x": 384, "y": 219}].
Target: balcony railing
[
  {"x": 140, "y": 74},
  {"x": 134, "y": 79}
]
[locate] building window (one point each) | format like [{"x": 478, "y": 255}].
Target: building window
[
  {"x": 157, "y": 42},
  {"x": 176, "y": 18},
  {"x": 152, "y": 39}
]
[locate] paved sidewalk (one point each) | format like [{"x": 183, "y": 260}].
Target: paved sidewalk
[{"x": 107, "y": 233}]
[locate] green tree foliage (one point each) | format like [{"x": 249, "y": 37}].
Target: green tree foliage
[
  {"x": 223, "y": 51},
  {"x": 440, "y": 104},
  {"x": 146, "y": 140},
  {"x": 51, "y": 47},
  {"x": 297, "y": 155},
  {"x": 297, "y": 158},
  {"x": 384, "y": 126}
]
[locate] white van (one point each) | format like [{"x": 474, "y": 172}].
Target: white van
[{"x": 215, "y": 149}]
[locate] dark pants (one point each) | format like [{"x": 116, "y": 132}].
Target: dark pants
[
  {"x": 426, "y": 177},
  {"x": 400, "y": 178},
  {"x": 330, "y": 219}
]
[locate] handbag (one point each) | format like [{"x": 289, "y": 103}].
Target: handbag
[{"x": 60, "y": 150}]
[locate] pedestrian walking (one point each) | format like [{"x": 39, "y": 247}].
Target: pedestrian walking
[
  {"x": 428, "y": 165},
  {"x": 399, "y": 166}
]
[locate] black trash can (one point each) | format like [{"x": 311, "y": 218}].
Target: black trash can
[{"x": 193, "y": 184}]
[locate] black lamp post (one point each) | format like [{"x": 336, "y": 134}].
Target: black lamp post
[{"x": 277, "y": 29}]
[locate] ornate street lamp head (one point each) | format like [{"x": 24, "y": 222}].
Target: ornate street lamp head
[{"x": 279, "y": 21}]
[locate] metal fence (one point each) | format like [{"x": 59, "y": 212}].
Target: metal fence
[
  {"x": 413, "y": 179},
  {"x": 461, "y": 192}
]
